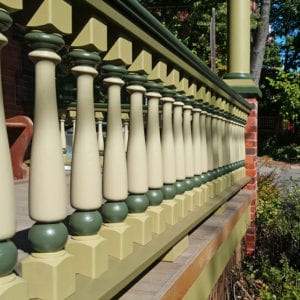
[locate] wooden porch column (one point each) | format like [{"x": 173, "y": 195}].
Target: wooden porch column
[
  {"x": 11, "y": 286},
  {"x": 154, "y": 159},
  {"x": 89, "y": 249}
]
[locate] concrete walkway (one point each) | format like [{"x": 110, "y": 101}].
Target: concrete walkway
[{"x": 286, "y": 174}]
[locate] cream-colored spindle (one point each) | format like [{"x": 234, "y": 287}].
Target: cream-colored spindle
[
  {"x": 188, "y": 151},
  {"x": 125, "y": 119},
  {"x": 215, "y": 146},
  {"x": 100, "y": 137},
  {"x": 115, "y": 211},
  {"x": 115, "y": 179},
  {"x": 154, "y": 159},
  {"x": 179, "y": 146},
  {"x": 86, "y": 192},
  {"x": 62, "y": 121},
  {"x": 197, "y": 154},
  {"x": 11, "y": 286},
  {"x": 47, "y": 189},
  {"x": 168, "y": 154},
  {"x": 137, "y": 200},
  {"x": 181, "y": 187}
]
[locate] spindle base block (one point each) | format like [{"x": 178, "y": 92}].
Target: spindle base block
[
  {"x": 158, "y": 218},
  {"x": 13, "y": 287},
  {"x": 172, "y": 211},
  {"x": 142, "y": 227},
  {"x": 119, "y": 238},
  {"x": 183, "y": 205},
  {"x": 190, "y": 198},
  {"x": 50, "y": 276},
  {"x": 91, "y": 254}
]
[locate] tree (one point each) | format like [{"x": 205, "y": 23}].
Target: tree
[{"x": 259, "y": 40}]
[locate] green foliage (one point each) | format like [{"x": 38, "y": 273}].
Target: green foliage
[
  {"x": 274, "y": 271},
  {"x": 285, "y": 20},
  {"x": 286, "y": 87},
  {"x": 189, "y": 21}
]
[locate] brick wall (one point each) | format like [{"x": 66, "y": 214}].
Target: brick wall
[
  {"x": 251, "y": 139},
  {"x": 17, "y": 75}
]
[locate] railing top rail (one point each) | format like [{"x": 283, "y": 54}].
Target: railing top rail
[{"x": 136, "y": 20}]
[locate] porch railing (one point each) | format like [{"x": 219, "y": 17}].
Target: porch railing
[{"x": 181, "y": 159}]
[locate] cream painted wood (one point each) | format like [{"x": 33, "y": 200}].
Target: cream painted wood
[
  {"x": 47, "y": 186},
  {"x": 12, "y": 5},
  {"x": 196, "y": 141},
  {"x": 215, "y": 140},
  {"x": 56, "y": 15},
  {"x": 168, "y": 149},
  {"x": 63, "y": 132},
  {"x": 209, "y": 143},
  {"x": 100, "y": 136},
  {"x": 72, "y": 114},
  {"x": 136, "y": 152},
  {"x": 86, "y": 179},
  {"x": 222, "y": 148},
  {"x": 178, "y": 140},
  {"x": 188, "y": 143},
  {"x": 93, "y": 37},
  {"x": 153, "y": 143},
  {"x": 239, "y": 36},
  {"x": 7, "y": 199},
  {"x": 115, "y": 169},
  {"x": 227, "y": 141},
  {"x": 203, "y": 154},
  {"x": 126, "y": 134}
]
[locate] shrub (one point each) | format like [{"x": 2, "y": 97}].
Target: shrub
[{"x": 273, "y": 272}]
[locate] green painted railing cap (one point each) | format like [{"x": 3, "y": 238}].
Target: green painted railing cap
[
  {"x": 83, "y": 57},
  {"x": 180, "y": 97},
  {"x": 5, "y": 20},
  {"x": 42, "y": 40},
  {"x": 136, "y": 79},
  {"x": 153, "y": 86},
  {"x": 114, "y": 71},
  {"x": 168, "y": 92}
]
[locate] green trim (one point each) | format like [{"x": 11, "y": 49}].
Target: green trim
[
  {"x": 8, "y": 257},
  {"x": 155, "y": 197},
  {"x": 189, "y": 182},
  {"x": 48, "y": 237},
  {"x": 135, "y": 79},
  {"x": 136, "y": 20},
  {"x": 82, "y": 57},
  {"x": 238, "y": 76},
  {"x": 137, "y": 203},
  {"x": 122, "y": 272},
  {"x": 41, "y": 40},
  {"x": 85, "y": 222},
  {"x": 114, "y": 211},
  {"x": 248, "y": 91},
  {"x": 152, "y": 86},
  {"x": 180, "y": 187},
  {"x": 114, "y": 71},
  {"x": 169, "y": 191},
  {"x": 5, "y": 20}
]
